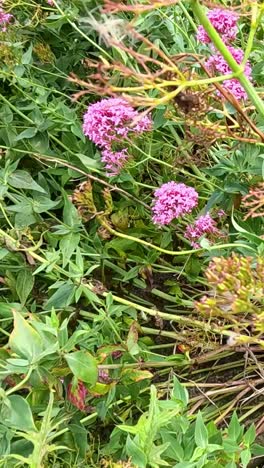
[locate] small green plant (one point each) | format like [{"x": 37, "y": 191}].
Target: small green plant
[
  {"x": 131, "y": 233},
  {"x": 165, "y": 435}
]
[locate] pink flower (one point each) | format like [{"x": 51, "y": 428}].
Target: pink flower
[
  {"x": 203, "y": 225},
  {"x": 217, "y": 63},
  {"x": 225, "y": 23},
  {"x": 114, "y": 160},
  {"x": 112, "y": 120},
  {"x": 5, "y": 19},
  {"x": 109, "y": 122},
  {"x": 78, "y": 395},
  {"x": 171, "y": 201}
]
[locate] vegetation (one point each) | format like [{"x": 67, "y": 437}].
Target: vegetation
[{"x": 131, "y": 234}]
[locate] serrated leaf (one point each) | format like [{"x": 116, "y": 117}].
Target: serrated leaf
[
  {"x": 24, "y": 284},
  {"x": 83, "y": 366}
]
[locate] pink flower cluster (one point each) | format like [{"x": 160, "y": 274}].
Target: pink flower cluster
[
  {"x": 217, "y": 63},
  {"x": 5, "y": 18},
  {"x": 225, "y": 23},
  {"x": 171, "y": 201},
  {"x": 203, "y": 225},
  {"x": 109, "y": 122}
]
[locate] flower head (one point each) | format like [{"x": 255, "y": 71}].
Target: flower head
[
  {"x": 171, "y": 201},
  {"x": 203, "y": 225},
  {"x": 114, "y": 160},
  {"x": 225, "y": 23},
  {"x": 5, "y": 19},
  {"x": 109, "y": 123},
  {"x": 217, "y": 63},
  {"x": 112, "y": 120}
]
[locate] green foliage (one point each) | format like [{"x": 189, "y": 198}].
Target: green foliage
[
  {"x": 99, "y": 308},
  {"x": 166, "y": 435}
]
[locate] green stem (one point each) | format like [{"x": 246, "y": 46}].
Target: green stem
[
  {"x": 183, "y": 320},
  {"x": 20, "y": 384},
  {"x": 188, "y": 16},
  {"x": 237, "y": 69},
  {"x": 254, "y": 24},
  {"x": 169, "y": 252}
]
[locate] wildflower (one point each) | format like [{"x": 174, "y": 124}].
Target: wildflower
[
  {"x": 217, "y": 63},
  {"x": 114, "y": 161},
  {"x": 203, "y": 225},
  {"x": 173, "y": 200},
  {"x": 225, "y": 23},
  {"x": 109, "y": 122},
  {"x": 112, "y": 120},
  {"x": 5, "y": 19},
  {"x": 77, "y": 395}
]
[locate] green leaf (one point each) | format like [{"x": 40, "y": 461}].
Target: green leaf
[
  {"x": 179, "y": 392},
  {"x": 88, "y": 163},
  {"x": 6, "y": 310},
  {"x": 245, "y": 457},
  {"x": 83, "y": 366},
  {"x": 23, "y": 180},
  {"x": 132, "y": 340},
  {"x": 70, "y": 214},
  {"x": 129, "y": 376},
  {"x": 200, "y": 434},
  {"x": 91, "y": 296},
  {"x": 24, "y": 339},
  {"x": 28, "y": 133},
  {"x": 80, "y": 438},
  {"x": 20, "y": 415},
  {"x": 27, "y": 56},
  {"x": 250, "y": 435},
  {"x": 234, "y": 429},
  {"x": 68, "y": 245},
  {"x": 24, "y": 284},
  {"x": 62, "y": 297},
  {"x": 134, "y": 451}
]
